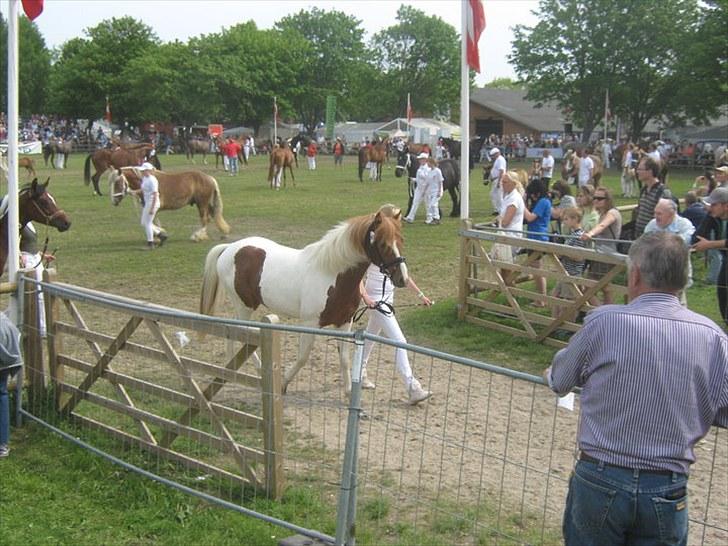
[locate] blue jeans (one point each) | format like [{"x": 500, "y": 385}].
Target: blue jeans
[
  {"x": 4, "y": 408},
  {"x": 609, "y": 505}
]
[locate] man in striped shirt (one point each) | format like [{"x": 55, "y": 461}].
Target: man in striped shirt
[
  {"x": 654, "y": 378},
  {"x": 651, "y": 192}
]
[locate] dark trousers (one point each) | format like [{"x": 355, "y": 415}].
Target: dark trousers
[{"x": 722, "y": 289}]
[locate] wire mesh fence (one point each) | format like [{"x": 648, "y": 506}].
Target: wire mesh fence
[{"x": 486, "y": 460}]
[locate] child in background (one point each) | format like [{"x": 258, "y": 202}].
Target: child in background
[{"x": 571, "y": 218}]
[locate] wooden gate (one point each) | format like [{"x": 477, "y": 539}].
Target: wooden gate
[
  {"x": 126, "y": 368},
  {"x": 498, "y": 294}
]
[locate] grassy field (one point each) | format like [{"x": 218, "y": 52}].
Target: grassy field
[{"x": 75, "y": 498}]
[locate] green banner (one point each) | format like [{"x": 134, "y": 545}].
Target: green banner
[{"x": 330, "y": 116}]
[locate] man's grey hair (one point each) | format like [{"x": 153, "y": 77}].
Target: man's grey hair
[
  {"x": 669, "y": 203},
  {"x": 662, "y": 259}
]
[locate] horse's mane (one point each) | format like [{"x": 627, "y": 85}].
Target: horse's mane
[{"x": 342, "y": 246}]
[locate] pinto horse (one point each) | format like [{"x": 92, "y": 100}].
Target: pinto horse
[
  {"x": 257, "y": 271},
  {"x": 127, "y": 156},
  {"x": 35, "y": 204},
  {"x": 407, "y": 165},
  {"x": 280, "y": 158},
  {"x": 176, "y": 190}
]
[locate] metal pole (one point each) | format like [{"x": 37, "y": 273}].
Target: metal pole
[
  {"x": 13, "y": 217},
  {"x": 346, "y": 514}
]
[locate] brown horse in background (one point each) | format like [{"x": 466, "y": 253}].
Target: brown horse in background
[
  {"x": 57, "y": 146},
  {"x": 373, "y": 155},
  {"x": 127, "y": 156},
  {"x": 197, "y": 146},
  {"x": 28, "y": 164},
  {"x": 280, "y": 158},
  {"x": 570, "y": 168},
  {"x": 176, "y": 190}
]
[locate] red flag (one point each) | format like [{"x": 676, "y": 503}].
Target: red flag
[
  {"x": 32, "y": 8},
  {"x": 107, "y": 115},
  {"x": 476, "y": 25},
  {"x": 409, "y": 109}
]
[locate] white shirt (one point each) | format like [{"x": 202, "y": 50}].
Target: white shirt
[
  {"x": 422, "y": 176},
  {"x": 499, "y": 167},
  {"x": 373, "y": 285},
  {"x": 655, "y": 154},
  {"x": 513, "y": 199},
  {"x": 586, "y": 166},
  {"x": 150, "y": 186},
  {"x": 547, "y": 166},
  {"x": 435, "y": 179}
]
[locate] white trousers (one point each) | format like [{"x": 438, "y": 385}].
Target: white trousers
[
  {"x": 432, "y": 199},
  {"x": 311, "y": 163},
  {"x": 420, "y": 195},
  {"x": 150, "y": 229},
  {"x": 627, "y": 183},
  {"x": 388, "y": 325},
  {"x": 496, "y": 195}
]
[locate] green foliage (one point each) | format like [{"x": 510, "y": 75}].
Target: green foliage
[
  {"x": 420, "y": 55},
  {"x": 34, "y": 62},
  {"x": 505, "y": 83},
  {"x": 657, "y": 63}
]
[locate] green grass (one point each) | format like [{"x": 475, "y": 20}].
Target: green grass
[{"x": 52, "y": 492}]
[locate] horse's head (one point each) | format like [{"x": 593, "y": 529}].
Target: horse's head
[
  {"x": 404, "y": 160},
  {"x": 36, "y": 204},
  {"x": 385, "y": 246},
  {"x": 118, "y": 186}
]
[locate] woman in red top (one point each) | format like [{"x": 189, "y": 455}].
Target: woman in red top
[{"x": 311, "y": 152}]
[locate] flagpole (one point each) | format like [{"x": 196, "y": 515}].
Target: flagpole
[
  {"x": 606, "y": 114},
  {"x": 13, "y": 216},
  {"x": 275, "y": 121},
  {"x": 464, "y": 115}
]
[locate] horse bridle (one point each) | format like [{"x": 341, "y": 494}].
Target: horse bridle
[
  {"x": 373, "y": 252},
  {"x": 407, "y": 163},
  {"x": 126, "y": 188},
  {"x": 48, "y": 218}
]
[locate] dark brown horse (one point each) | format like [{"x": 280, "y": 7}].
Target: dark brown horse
[
  {"x": 177, "y": 190},
  {"x": 280, "y": 158},
  {"x": 128, "y": 156},
  {"x": 35, "y": 204}
]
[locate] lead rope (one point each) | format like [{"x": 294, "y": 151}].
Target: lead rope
[{"x": 384, "y": 307}]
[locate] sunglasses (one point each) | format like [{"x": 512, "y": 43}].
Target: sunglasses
[{"x": 597, "y": 198}]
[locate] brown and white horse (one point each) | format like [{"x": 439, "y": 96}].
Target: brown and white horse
[
  {"x": 35, "y": 204},
  {"x": 177, "y": 190},
  {"x": 318, "y": 284},
  {"x": 570, "y": 168}
]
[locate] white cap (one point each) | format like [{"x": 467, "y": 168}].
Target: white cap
[
  {"x": 146, "y": 166},
  {"x": 423, "y": 155},
  {"x": 494, "y": 151}
]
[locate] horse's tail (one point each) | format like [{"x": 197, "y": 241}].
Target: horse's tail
[
  {"x": 87, "y": 170},
  {"x": 210, "y": 281},
  {"x": 216, "y": 210}
]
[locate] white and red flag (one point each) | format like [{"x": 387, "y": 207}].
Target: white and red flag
[{"x": 475, "y": 27}]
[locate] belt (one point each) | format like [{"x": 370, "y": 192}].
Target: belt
[{"x": 589, "y": 459}]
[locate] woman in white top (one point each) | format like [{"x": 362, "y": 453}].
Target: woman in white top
[
  {"x": 421, "y": 185},
  {"x": 433, "y": 193},
  {"x": 510, "y": 215},
  {"x": 377, "y": 289},
  {"x": 150, "y": 191}
]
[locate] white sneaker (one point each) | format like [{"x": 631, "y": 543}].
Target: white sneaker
[
  {"x": 4, "y": 450},
  {"x": 408, "y": 220},
  {"x": 417, "y": 394}
]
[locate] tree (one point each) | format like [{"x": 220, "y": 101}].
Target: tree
[
  {"x": 505, "y": 83},
  {"x": 34, "y": 62},
  {"x": 639, "y": 52},
  {"x": 333, "y": 50},
  {"x": 420, "y": 55},
  {"x": 90, "y": 69}
]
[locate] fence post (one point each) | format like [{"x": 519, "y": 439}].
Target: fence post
[
  {"x": 463, "y": 288},
  {"x": 32, "y": 348},
  {"x": 346, "y": 513},
  {"x": 272, "y": 387},
  {"x": 53, "y": 342}
]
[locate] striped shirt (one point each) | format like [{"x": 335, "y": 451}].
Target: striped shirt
[{"x": 654, "y": 378}]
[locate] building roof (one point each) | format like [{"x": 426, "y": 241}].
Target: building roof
[{"x": 511, "y": 103}]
